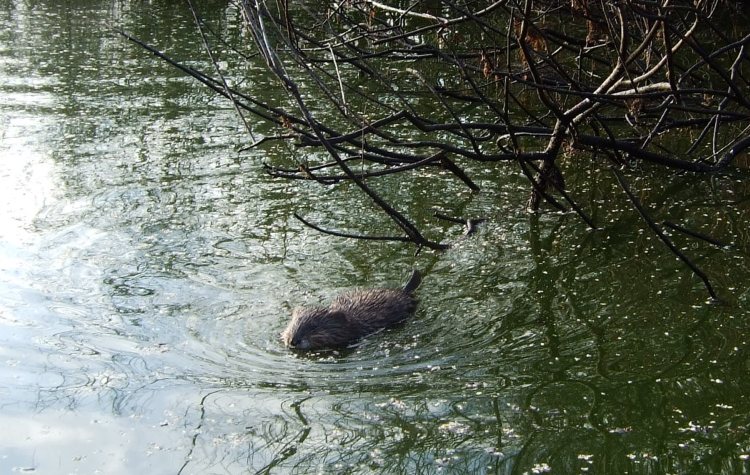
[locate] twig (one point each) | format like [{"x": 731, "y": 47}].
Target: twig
[
  {"x": 351, "y": 235},
  {"x": 694, "y": 234},
  {"x": 664, "y": 238}
]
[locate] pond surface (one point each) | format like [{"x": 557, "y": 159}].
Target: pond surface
[{"x": 147, "y": 266}]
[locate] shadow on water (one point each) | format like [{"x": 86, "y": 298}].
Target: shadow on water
[{"x": 148, "y": 269}]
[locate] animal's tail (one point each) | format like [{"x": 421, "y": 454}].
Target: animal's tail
[{"x": 414, "y": 281}]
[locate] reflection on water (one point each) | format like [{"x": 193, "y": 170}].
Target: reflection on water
[{"x": 147, "y": 267}]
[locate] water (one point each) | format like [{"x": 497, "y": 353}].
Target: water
[{"x": 147, "y": 267}]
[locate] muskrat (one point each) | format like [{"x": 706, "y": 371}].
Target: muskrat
[{"x": 350, "y": 317}]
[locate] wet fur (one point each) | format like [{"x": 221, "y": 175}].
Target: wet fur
[{"x": 350, "y": 317}]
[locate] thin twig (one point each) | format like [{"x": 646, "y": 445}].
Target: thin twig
[{"x": 660, "y": 234}]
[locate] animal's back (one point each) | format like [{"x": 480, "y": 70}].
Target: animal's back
[{"x": 373, "y": 309}]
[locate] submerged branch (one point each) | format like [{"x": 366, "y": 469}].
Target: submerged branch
[
  {"x": 660, "y": 234},
  {"x": 694, "y": 234},
  {"x": 350, "y": 235}
]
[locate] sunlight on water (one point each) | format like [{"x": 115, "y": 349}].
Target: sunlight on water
[
  {"x": 26, "y": 179},
  {"x": 120, "y": 442}
]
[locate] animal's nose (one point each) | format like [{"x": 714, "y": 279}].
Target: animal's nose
[{"x": 301, "y": 343}]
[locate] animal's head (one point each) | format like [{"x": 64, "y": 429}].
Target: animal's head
[{"x": 314, "y": 328}]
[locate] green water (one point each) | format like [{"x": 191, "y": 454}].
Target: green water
[{"x": 147, "y": 266}]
